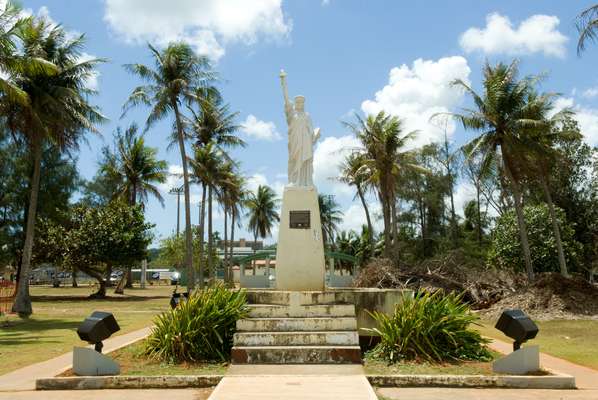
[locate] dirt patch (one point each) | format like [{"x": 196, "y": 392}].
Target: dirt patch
[{"x": 550, "y": 296}]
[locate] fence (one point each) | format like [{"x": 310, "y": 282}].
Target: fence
[{"x": 8, "y": 290}]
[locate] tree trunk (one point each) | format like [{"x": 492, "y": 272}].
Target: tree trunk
[
  {"x": 254, "y": 252},
  {"x": 108, "y": 276},
  {"x": 555, "y": 228},
  {"x": 225, "y": 263},
  {"x": 202, "y": 222},
  {"x": 101, "y": 293},
  {"x": 521, "y": 222},
  {"x": 188, "y": 232},
  {"x": 231, "y": 247},
  {"x": 386, "y": 217},
  {"x": 22, "y": 304},
  {"x": 178, "y": 214},
  {"x": 210, "y": 239},
  {"x": 479, "y": 216},
  {"x": 395, "y": 232},
  {"x": 367, "y": 214},
  {"x": 74, "y": 278}
]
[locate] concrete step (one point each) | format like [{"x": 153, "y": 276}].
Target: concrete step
[
  {"x": 318, "y": 310},
  {"x": 317, "y": 324},
  {"x": 330, "y": 338},
  {"x": 291, "y": 297},
  {"x": 296, "y": 355}
]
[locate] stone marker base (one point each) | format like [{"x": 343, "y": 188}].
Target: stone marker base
[
  {"x": 89, "y": 362},
  {"x": 519, "y": 362},
  {"x": 300, "y": 249}
]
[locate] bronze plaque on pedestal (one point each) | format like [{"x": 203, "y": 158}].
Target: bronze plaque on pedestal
[{"x": 299, "y": 220}]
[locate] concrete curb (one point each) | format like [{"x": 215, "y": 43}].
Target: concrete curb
[
  {"x": 128, "y": 382},
  {"x": 557, "y": 381}
]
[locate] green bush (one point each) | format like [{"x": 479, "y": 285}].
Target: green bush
[
  {"x": 430, "y": 327},
  {"x": 506, "y": 252},
  {"x": 200, "y": 329}
]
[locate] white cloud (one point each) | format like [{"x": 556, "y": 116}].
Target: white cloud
[
  {"x": 464, "y": 193},
  {"x": 415, "y": 94},
  {"x": 354, "y": 217},
  {"x": 208, "y": 24},
  {"x": 173, "y": 180},
  {"x": 590, "y": 93},
  {"x": 587, "y": 118},
  {"x": 258, "y": 129},
  {"x": 256, "y": 180},
  {"x": 328, "y": 156},
  {"x": 537, "y": 34}
]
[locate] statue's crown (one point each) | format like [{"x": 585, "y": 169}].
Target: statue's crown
[{"x": 299, "y": 99}]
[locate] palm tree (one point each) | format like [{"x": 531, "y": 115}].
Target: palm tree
[
  {"x": 237, "y": 196},
  {"x": 205, "y": 166},
  {"x": 330, "y": 217},
  {"x": 542, "y": 156},
  {"x": 503, "y": 113},
  {"x": 384, "y": 143},
  {"x": 176, "y": 76},
  {"x": 587, "y": 26},
  {"x": 213, "y": 121},
  {"x": 261, "y": 210},
  {"x": 50, "y": 106},
  {"x": 354, "y": 173},
  {"x": 230, "y": 195},
  {"x": 137, "y": 167},
  {"x": 13, "y": 62}
]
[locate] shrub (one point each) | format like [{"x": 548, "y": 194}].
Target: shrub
[
  {"x": 431, "y": 327},
  {"x": 200, "y": 329},
  {"x": 506, "y": 251}
]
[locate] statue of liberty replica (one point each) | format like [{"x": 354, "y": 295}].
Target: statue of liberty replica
[
  {"x": 302, "y": 138},
  {"x": 300, "y": 250}
]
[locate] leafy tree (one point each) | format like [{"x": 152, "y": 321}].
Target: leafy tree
[
  {"x": 330, "y": 217},
  {"x": 135, "y": 167},
  {"x": 502, "y": 114},
  {"x": 262, "y": 212},
  {"x": 587, "y": 26},
  {"x": 176, "y": 76},
  {"x": 384, "y": 141},
  {"x": 52, "y": 107},
  {"x": 505, "y": 251},
  {"x": 96, "y": 239},
  {"x": 354, "y": 173}
]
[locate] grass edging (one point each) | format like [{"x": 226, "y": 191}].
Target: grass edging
[
  {"x": 556, "y": 381},
  {"x": 127, "y": 382}
]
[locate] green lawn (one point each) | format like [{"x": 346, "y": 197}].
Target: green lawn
[
  {"x": 132, "y": 361},
  {"x": 572, "y": 340},
  {"x": 375, "y": 367},
  {"x": 57, "y": 312}
]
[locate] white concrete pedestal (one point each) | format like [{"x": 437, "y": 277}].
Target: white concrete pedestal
[
  {"x": 300, "y": 252},
  {"x": 519, "y": 362},
  {"x": 88, "y": 362}
]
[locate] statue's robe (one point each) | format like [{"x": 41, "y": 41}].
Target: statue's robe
[{"x": 301, "y": 141}]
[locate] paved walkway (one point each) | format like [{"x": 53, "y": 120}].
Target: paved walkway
[
  {"x": 313, "y": 382},
  {"x": 484, "y": 394},
  {"x": 585, "y": 378},
  {"x": 128, "y": 394},
  {"x": 24, "y": 378}
]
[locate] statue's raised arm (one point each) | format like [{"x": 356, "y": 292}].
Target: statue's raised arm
[{"x": 288, "y": 106}]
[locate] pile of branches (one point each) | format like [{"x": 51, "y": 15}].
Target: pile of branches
[{"x": 453, "y": 272}]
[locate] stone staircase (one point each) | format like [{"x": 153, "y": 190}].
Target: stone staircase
[{"x": 296, "y": 328}]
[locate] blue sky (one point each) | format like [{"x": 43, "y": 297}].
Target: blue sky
[{"x": 345, "y": 56}]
